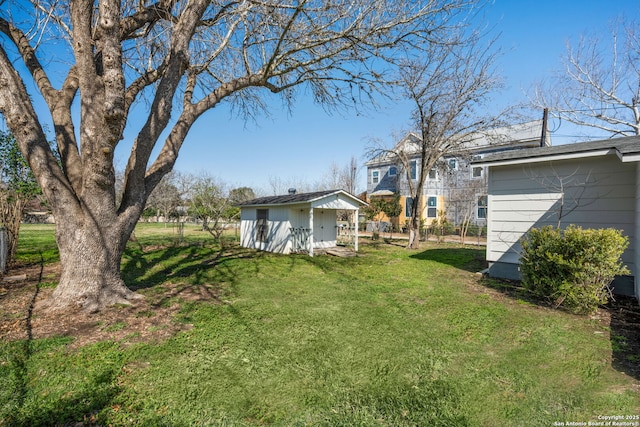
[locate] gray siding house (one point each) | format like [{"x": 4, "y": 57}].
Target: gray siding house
[
  {"x": 454, "y": 184},
  {"x": 290, "y": 223},
  {"x": 591, "y": 184}
]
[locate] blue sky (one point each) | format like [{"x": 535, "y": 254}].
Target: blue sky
[{"x": 301, "y": 147}]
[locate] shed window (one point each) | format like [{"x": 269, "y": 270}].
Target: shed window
[
  {"x": 262, "y": 225},
  {"x": 432, "y": 207}
]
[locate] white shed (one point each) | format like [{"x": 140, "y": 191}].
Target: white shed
[
  {"x": 592, "y": 184},
  {"x": 297, "y": 222}
]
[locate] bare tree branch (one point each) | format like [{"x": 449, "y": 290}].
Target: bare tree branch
[
  {"x": 599, "y": 87},
  {"x": 447, "y": 88}
]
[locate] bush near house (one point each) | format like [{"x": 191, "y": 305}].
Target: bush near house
[{"x": 572, "y": 267}]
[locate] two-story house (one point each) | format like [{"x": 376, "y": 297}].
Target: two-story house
[{"x": 453, "y": 188}]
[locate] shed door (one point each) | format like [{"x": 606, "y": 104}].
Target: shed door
[
  {"x": 324, "y": 228},
  {"x": 262, "y": 225}
]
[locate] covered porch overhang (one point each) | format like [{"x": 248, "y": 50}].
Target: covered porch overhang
[{"x": 314, "y": 237}]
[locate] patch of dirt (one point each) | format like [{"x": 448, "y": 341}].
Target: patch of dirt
[
  {"x": 624, "y": 320},
  {"x": 151, "y": 319}
]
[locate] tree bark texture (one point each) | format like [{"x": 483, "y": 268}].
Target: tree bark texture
[{"x": 90, "y": 257}]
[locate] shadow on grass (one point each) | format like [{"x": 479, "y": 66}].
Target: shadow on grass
[
  {"x": 625, "y": 335},
  {"x": 187, "y": 266},
  {"x": 469, "y": 259},
  {"x": 624, "y": 325},
  {"x": 19, "y": 406},
  {"x": 76, "y": 407}
]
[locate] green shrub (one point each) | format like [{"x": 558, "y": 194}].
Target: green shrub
[{"x": 573, "y": 267}]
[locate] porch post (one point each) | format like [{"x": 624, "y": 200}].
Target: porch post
[
  {"x": 311, "y": 231},
  {"x": 355, "y": 229}
]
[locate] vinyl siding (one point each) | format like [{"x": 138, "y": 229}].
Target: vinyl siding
[
  {"x": 278, "y": 232},
  {"x": 598, "y": 193}
]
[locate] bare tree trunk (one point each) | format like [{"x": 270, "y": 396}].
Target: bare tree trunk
[
  {"x": 11, "y": 208},
  {"x": 414, "y": 234},
  {"x": 90, "y": 260},
  {"x": 414, "y": 223}
]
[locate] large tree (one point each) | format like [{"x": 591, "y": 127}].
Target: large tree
[
  {"x": 449, "y": 89},
  {"x": 598, "y": 87},
  {"x": 92, "y": 61}
]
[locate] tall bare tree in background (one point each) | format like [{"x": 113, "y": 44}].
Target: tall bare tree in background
[
  {"x": 466, "y": 200},
  {"x": 210, "y": 203},
  {"x": 336, "y": 177},
  {"x": 448, "y": 87},
  {"x": 185, "y": 57},
  {"x": 599, "y": 84},
  {"x": 341, "y": 177},
  {"x": 165, "y": 199}
]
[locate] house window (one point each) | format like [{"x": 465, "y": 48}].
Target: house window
[
  {"x": 393, "y": 171},
  {"x": 432, "y": 207},
  {"x": 408, "y": 206},
  {"x": 413, "y": 169},
  {"x": 482, "y": 207},
  {"x": 262, "y": 225},
  {"x": 453, "y": 164},
  {"x": 375, "y": 177},
  {"x": 476, "y": 172},
  {"x": 433, "y": 174}
]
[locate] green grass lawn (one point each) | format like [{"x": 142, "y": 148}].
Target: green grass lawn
[{"x": 390, "y": 338}]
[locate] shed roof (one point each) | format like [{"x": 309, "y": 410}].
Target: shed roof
[
  {"x": 626, "y": 148},
  {"x": 290, "y": 199}
]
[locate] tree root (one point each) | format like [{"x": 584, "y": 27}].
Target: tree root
[{"x": 90, "y": 301}]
